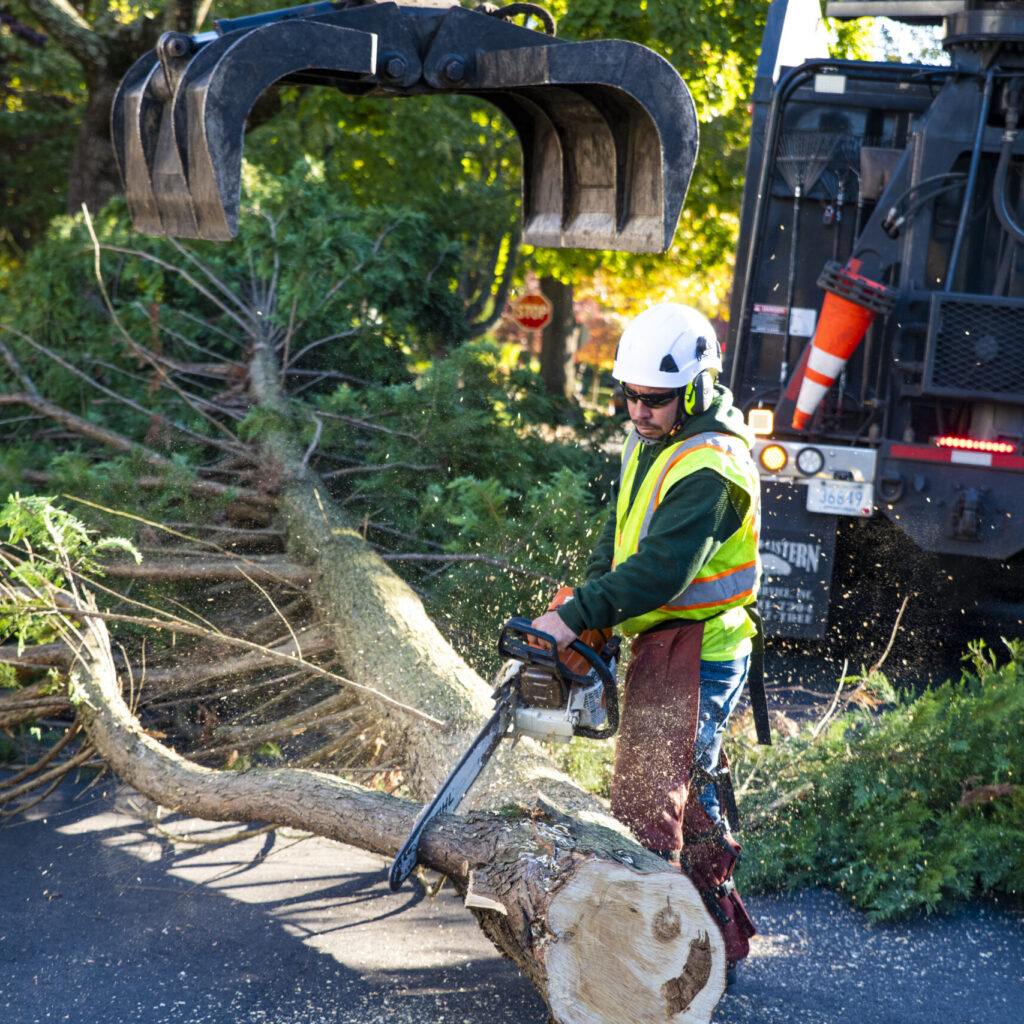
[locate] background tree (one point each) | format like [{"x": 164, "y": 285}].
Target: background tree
[
  {"x": 457, "y": 159},
  {"x": 104, "y": 39},
  {"x": 453, "y": 159},
  {"x": 39, "y": 94},
  {"x": 104, "y": 42}
]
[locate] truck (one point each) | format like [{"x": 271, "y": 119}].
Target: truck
[{"x": 876, "y": 330}]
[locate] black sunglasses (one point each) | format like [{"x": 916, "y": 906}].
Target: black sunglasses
[{"x": 652, "y": 401}]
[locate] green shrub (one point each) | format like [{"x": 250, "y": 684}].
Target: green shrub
[{"x": 910, "y": 810}]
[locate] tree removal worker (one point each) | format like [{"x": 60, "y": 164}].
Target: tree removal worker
[{"x": 677, "y": 568}]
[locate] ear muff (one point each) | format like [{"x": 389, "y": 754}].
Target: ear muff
[{"x": 699, "y": 393}]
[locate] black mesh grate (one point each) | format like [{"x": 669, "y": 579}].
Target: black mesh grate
[{"x": 975, "y": 348}]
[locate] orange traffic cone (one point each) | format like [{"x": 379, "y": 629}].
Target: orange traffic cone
[{"x": 841, "y": 326}]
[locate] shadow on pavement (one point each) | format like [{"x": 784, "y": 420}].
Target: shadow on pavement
[{"x": 108, "y": 921}]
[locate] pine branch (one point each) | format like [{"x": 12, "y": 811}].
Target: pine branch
[
  {"x": 181, "y": 626},
  {"x": 133, "y": 345},
  {"x": 234, "y": 448},
  {"x": 118, "y": 442}
]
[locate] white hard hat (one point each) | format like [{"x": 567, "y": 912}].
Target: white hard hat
[{"x": 667, "y": 346}]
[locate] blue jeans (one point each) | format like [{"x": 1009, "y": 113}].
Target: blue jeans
[{"x": 721, "y": 683}]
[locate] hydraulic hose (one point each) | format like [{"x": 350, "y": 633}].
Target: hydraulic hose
[
  {"x": 1003, "y": 170},
  {"x": 509, "y": 11},
  {"x": 972, "y": 177},
  {"x": 895, "y": 220}
]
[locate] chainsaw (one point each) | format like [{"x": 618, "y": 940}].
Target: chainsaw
[{"x": 540, "y": 693}]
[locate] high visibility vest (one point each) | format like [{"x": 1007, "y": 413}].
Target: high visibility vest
[{"x": 732, "y": 576}]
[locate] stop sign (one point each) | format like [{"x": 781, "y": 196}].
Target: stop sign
[{"x": 531, "y": 311}]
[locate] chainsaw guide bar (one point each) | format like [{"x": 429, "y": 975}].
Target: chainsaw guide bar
[{"x": 537, "y": 696}]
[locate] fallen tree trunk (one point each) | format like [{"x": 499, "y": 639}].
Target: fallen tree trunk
[
  {"x": 387, "y": 641},
  {"x": 606, "y": 933}
]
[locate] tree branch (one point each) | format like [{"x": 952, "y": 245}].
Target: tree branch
[
  {"x": 504, "y": 287},
  {"x": 180, "y": 626},
  {"x": 133, "y": 346},
  {"x": 189, "y": 676},
  {"x": 122, "y": 444},
  {"x": 16, "y": 369},
  {"x": 38, "y": 766},
  {"x": 72, "y": 31},
  {"x": 233, "y": 449},
  {"x": 349, "y": 470}
]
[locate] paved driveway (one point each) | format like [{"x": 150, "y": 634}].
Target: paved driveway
[{"x": 105, "y": 921}]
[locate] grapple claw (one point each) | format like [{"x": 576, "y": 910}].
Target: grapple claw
[
  {"x": 135, "y": 130},
  {"x": 608, "y": 129}
]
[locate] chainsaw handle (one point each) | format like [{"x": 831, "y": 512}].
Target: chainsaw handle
[
  {"x": 514, "y": 642},
  {"x": 596, "y": 662},
  {"x": 520, "y": 640}
]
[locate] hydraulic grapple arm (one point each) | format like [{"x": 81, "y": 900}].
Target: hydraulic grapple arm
[{"x": 608, "y": 129}]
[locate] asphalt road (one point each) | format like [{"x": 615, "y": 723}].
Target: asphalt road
[{"x": 106, "y": 921}]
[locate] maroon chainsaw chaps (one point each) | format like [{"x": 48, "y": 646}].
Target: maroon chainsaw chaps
[
  {"x": 657, "y": 735},
  {"x": 650, "y": 788}
]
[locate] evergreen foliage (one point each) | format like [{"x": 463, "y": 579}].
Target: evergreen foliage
[
  {"x": 908, "y": 811},
  {"x": 42, "y": 546},
  {"x": 458, "y": 459},
  {"x": 441, "y": 449}
]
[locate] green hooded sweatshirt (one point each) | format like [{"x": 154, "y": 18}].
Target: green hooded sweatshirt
[{"x": 693, "y": 520}]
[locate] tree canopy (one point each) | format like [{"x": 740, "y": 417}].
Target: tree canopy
[{"x": 452, "y": 158}]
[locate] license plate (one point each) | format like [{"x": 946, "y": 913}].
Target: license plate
[{"x": 840, "y": 497}]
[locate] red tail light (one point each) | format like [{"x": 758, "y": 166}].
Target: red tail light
[{"x": 968, "y": 444}]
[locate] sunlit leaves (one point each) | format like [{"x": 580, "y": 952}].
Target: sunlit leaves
[{"x": 41, "y": 546}]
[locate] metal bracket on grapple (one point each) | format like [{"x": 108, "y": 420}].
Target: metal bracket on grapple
[{"x": 608, "y": 130}]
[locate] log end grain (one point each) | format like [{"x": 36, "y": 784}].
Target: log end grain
[{"x": 632, "y": 947}]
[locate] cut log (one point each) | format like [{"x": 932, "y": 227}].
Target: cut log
[
  {"x": 604, "y": 930},
  {"x": 600, "y": 968}
]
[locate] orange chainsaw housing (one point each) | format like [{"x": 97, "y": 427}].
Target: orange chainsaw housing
[{"x": 595, "y": 639}]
